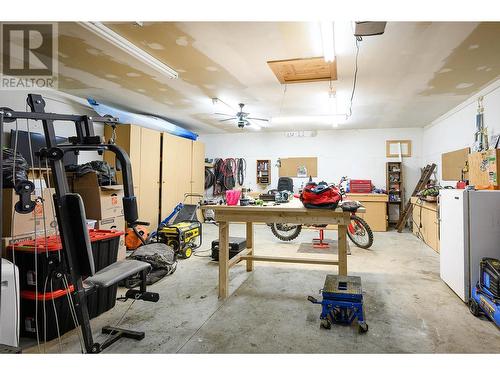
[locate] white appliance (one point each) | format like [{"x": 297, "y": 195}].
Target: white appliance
[
  {"x": 9, "y": 309},
  {"x": 469, "y": 231}
]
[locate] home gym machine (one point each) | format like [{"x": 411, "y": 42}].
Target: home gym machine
[{"x": 70, "y": 212}]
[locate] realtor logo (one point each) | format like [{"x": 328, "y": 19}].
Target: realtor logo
[{"x": 28, "y": 55}]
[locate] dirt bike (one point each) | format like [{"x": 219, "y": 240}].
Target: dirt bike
[{"x": 358, "y": 230}]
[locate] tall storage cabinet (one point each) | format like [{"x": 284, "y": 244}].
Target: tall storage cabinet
[
  {"x": 143, "y": 147},
  {"x": 164, "y": 168},
  {"x": 183, "y": 171}
]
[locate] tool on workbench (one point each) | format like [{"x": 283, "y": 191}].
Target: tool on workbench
[
  {"x": 486, "y": 294},
  {"x": 342, "y": 302}
]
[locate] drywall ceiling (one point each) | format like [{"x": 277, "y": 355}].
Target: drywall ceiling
[{"x": 407, "y": 77}]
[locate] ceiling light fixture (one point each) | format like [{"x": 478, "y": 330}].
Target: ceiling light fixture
[
  {"x": 289, "y": 120},
  {"x": 328, "y": 41},
  {"x": 127, "y": 46}
]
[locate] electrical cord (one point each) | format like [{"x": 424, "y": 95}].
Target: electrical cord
[
  {"x": 242, "y": 171},
  {"x": 209, "y": 178},
  {"x": 357, "y": 40}
]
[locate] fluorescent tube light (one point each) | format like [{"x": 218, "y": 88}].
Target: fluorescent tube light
[
  {"x": 127, "y": 46},
  {"x": 328, "y": 41},
  {"x": 289, "y": 120}
]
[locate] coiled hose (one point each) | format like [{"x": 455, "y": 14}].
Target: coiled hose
[{"x": 226, "y": 173}]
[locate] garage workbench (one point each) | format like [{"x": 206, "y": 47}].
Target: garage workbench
[{"x": 292, "y": 212}]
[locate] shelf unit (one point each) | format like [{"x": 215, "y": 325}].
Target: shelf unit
[
  {"x": 264, "y": 172},
  {"x": 395, "y": 189}
]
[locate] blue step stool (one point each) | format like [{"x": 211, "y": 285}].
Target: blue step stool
[{"x": 342, "y": 302}]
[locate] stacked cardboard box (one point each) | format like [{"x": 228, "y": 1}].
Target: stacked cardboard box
[
  {"x": 102, "y": 203},
  {"x": 19, "y": 227}
]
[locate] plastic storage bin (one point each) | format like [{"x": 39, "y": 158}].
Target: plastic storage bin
[
  {"x": 46, "y": 314},
  {"x": 104, "y": 250}
]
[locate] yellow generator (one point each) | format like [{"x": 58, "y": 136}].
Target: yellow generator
[
  {"x": 181, "y": 230},
  {"x": 183, "y": 237}
]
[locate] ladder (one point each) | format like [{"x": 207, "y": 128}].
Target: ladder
[{"x": 424, "y": 179}]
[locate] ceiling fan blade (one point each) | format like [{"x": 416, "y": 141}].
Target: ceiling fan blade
[
  {"x": 257, "y": 118},
  {"x": 228, "y": 119},
  {"x": 223, "y": 114}
]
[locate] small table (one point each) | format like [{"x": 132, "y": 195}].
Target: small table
[{"x": 292, "y": 212}]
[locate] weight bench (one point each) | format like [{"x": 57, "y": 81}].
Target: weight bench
[
  {"x": 108, "y": 276},
  {"x": 112, "y": 275}
]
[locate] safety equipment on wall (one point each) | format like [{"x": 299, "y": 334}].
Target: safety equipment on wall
[{"x": 320, "y": 195}]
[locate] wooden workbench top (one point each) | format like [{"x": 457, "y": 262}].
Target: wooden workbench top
[
  {"x": 368, "y": 197},
  {"x": 295, "y": 205}
]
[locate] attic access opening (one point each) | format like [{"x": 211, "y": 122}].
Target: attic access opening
[{"x": 304, "y": 70}]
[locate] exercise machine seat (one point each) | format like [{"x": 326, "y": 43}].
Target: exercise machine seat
[{"x": 116, "y": 272}]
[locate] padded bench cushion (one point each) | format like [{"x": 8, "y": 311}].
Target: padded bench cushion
[{"x": 116, "y": 272}]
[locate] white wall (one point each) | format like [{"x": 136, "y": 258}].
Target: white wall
[
  {"x": 359, "y": 154},
  {"x": 56, "y": 102},
  {"x": 455, "y": 129}
]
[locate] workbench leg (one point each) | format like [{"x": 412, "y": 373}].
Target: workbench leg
[
  {"x": 342, "y": 241},
  {"x": 223, "y": 259},
  {"x": 250, "y": 246}
]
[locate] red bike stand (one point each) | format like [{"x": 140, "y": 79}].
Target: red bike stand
[{"x": 318, "y": 242}]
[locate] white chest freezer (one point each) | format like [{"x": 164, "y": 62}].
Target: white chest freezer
[{"x": 469, "y": 231}]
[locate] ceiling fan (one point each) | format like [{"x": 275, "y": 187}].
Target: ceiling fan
[{"x": 242, "y": 118}]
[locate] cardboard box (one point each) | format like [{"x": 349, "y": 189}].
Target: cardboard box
[
  {"x": 24, "y": 224},
  {"x": 101, "y": 202},
  {"x": 117, "y": 223},
  {"x": 484, "y": 169}
]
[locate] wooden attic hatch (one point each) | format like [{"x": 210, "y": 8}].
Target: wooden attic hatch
[{"x": 304, "y": 70}]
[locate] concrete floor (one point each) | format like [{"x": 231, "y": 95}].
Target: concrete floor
[{"x": 408, "y": 308}]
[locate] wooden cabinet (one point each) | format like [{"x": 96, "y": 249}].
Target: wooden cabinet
[
  {"x": 263, "y": 172},
  {"x": 183, "y": 171},
  {"x": 164, "y": 168},
  {"x": 143, "y": 147},
  {"x": 376, "y": 209},
  {"x": 426, "y": 222}
]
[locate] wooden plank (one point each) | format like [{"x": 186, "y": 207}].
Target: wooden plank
[
  {"x": 289, "y": 166},
  {"x": 264, "y": 217},
  {"x": 342, "y": 244},
  {"x": 304, "y": 70},
  {"x": 238, "y": 257},
  {"x": 452, "y": 164},
  {"x": 265, "y": 258},
  {"x": 249, "y": 230},
  {"x": 223, "y": 259}
]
